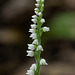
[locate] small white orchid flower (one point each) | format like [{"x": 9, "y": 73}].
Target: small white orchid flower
[
  {"x": 31, "y": 46},
  {"x": 46, "y": 29},
  {"x": 42, "y": 20},
  {"x": 30, "y": 53},
  {"x": 39, "y": 48},
  {"x": 30, "y": 72},
  {"x": 33, "y": 36},
  {"x": 33, "y": 67},
  {"x": 43, "y": 62}
]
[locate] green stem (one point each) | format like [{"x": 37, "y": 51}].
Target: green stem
[
  {"x": 37, "y": 53},
  {"x": 37, "y": 57}
]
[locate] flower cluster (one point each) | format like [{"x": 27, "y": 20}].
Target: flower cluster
[
  {"x": 36, "y": 31},
  {"x": 32, "y": 69}
]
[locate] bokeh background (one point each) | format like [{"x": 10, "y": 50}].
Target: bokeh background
[{"x": 59, "y": 43}]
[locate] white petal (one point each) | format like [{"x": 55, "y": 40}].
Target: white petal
[
  {"x": 46, "y": 29},
  {"x": 38, "y": 1},
  {"x": 33, "y": 26},
  {"x": 36, "y": 9},
  {"x": 33, "y": 67},
  {"x": 42, "y": 0},
  {"x": 34, "y": 20},
  {"x": 30, "y": 72},
  {"x": 33, "y": 36},
  {"x": 36, "y": 12},
  {"x": 42, "y": 5},
  {"x": 30, "y": 53},
  {"x": 35, "y": 42},
  {"x": 31, "y": 46},
  {"x": 39, "y": 14},
  {"x": 43, "y": 62},
  {"x": 32, "y": 30},
  {"x": 37, "y": 5},
  {"x": 34, "y": 16},
  {"x": 39, "y": 48},
  {"x": 42, "y": 20}
]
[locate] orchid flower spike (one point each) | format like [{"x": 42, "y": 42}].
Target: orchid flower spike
[{"x": 36, "y": 30}]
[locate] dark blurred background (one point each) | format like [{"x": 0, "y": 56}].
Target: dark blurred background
[{"x": 59, "y": 43}]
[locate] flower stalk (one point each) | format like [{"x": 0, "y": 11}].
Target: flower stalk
[{"x": 36, "y": 31}]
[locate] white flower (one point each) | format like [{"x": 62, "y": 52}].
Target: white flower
[
  {"x": 42, "y": 5},
  {"x": 33, "y": 36},
  {"x": 36, "y": 9},
  {"x": 35, "y": 42},
  {"x": 30, "y": 53},
  {"x": 32, "y": 30},
  {"x": 37, "y": 5},
  {"x": 39, "y": 14},
  {"x": 36, "y": 12},
  {"x": 38, "y": 1},
  {"x": 42, "y": 0},
  {"x": 33, "y": 67},
  {"x": 34, "y": 16},
  {"x": 43, "y": 62},
  {"x": 31, "y": 46},
  {"x": 42, "y": 20},
  {"x": 33, "y": 26},
  {"x": 34, "y": 20},
  {"x": 46, "y": 29},
  {"x": 39, "y": 48},
  {"x": 30, "y": 72}
]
